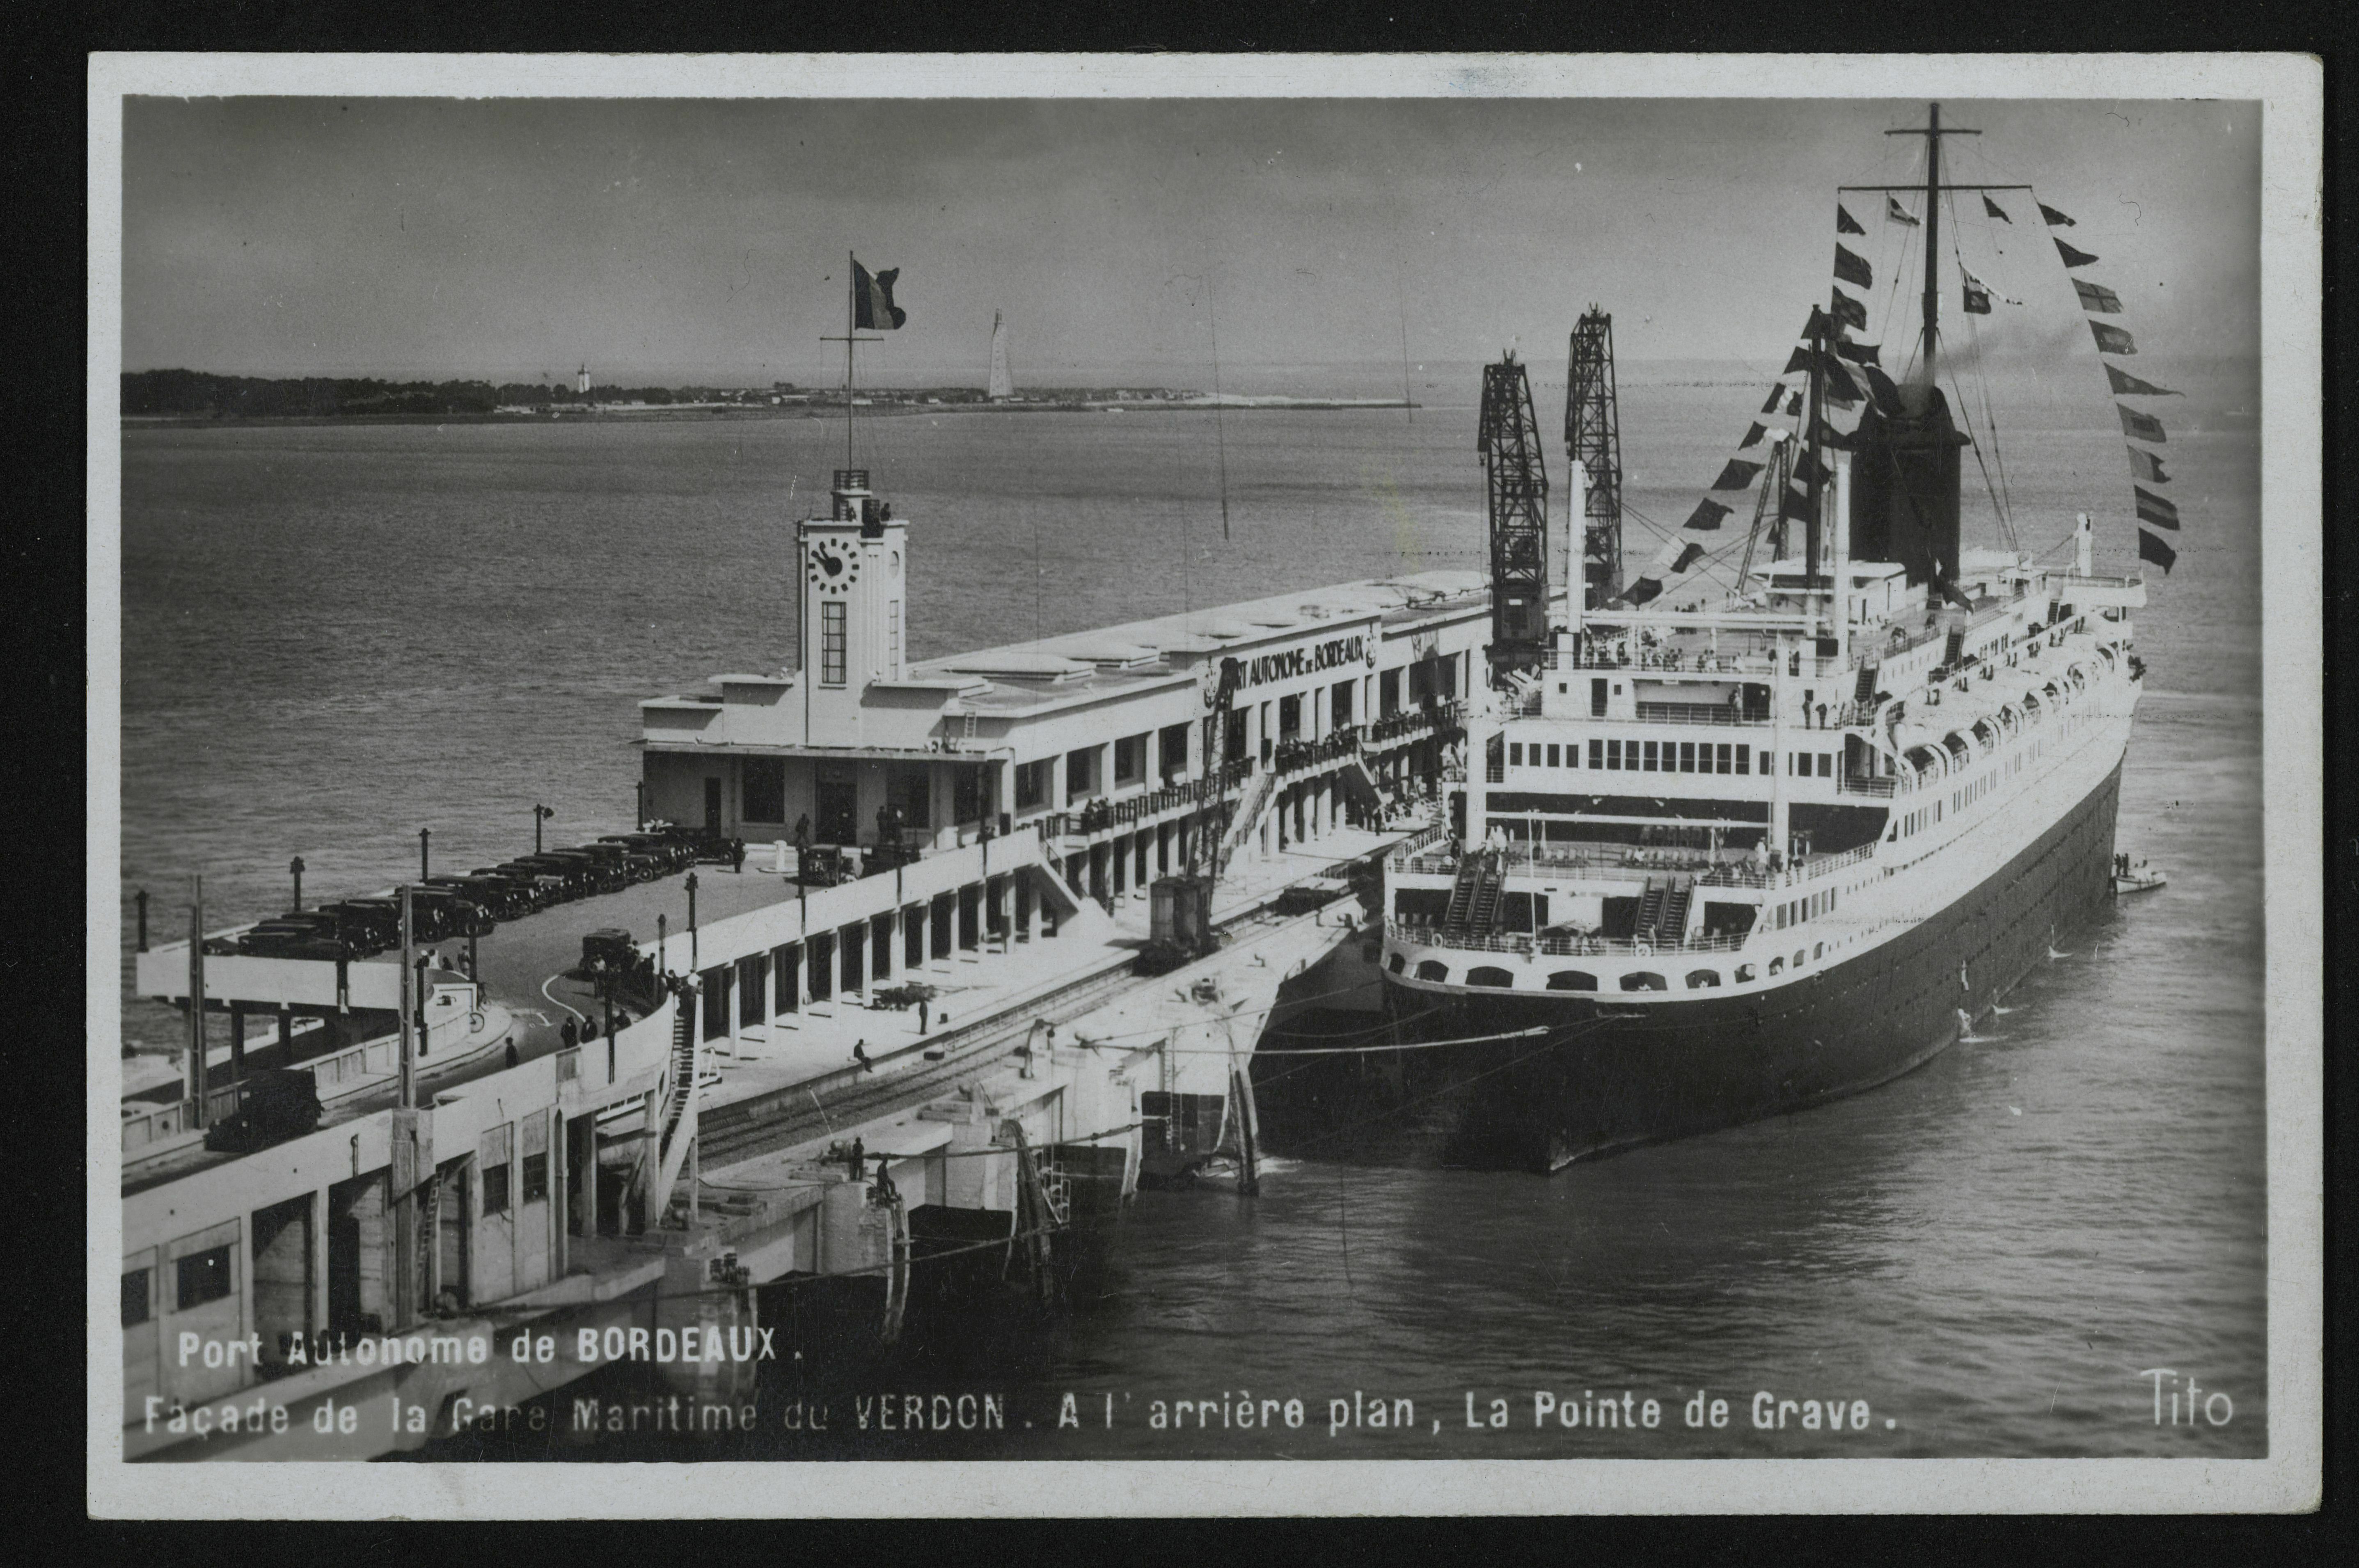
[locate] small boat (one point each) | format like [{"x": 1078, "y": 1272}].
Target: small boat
[{"x": 2140, "y": 877}]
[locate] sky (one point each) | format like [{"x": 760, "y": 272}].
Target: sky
[{"x": 673, "y": 241}]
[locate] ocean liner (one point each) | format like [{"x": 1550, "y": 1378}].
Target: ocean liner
[{"x": 1783, "y": 842}]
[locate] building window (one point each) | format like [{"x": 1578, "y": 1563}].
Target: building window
[
  {"x": 1597, "y": 754},
  {"x": 202, "y": 1277},
  {"x": 1826, "y": 765},
  {"x": 967, "y": 794},
  {"x": 1552, "y": 760},
  {"x": 535, "y": 1158},
  {"x": 830, "y": 642},
  {"x": 1130, "y": 759},
  {"x": 1649, "y": 763},
  {"x": 1032, "y": 784},
  {"x": 137, "y": 1296},
  {"x": 1389, "y": 692},
  {"x": 785, "y": 963},
  {"x": 1612, "y": 754},
  {"x": 492, "y": 1159},
  {"x": 1687, "y": 757},
  {"x": 1172, "y": 746},
  {"x": 1339, "y": 704},
  {"x": 1743, "y": 759},
  {"x": 1289, "y": 716},
  {"x": 1514, "y": 754},
  {"x": 765, "y": 787},
  {"x": 1081, "y": 774},
  {"x": 1768, "y": 763}
]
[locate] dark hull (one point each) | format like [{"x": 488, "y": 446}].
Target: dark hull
[{"x": 1616, "y": 1075}]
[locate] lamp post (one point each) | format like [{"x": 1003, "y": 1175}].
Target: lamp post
[
  {"x": 691, "y": 885},
  {"x": 661, "y": 971},
  {"x": 539, "y": 815},
  {"x": 295, "y": 869},
  {"x": 425, "y": 837}
]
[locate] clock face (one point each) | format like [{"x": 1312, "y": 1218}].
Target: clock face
[{"x": 834, "y": 568}]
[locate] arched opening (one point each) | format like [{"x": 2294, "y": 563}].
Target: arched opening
[
  {"x": 1492, "y": 975},
  {"x": 1644, "y": 980},
  {"x": 1432, "y": 969},
  {"x": 1571, "y": 980},
  {"x": 1700, "y": 978}
]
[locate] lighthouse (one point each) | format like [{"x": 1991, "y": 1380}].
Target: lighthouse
[{"x": 1003, "y": 385}]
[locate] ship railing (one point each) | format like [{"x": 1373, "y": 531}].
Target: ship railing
[
  {"x": 1553, "y": 945},
  {"x": 1673, "y": 661},
  {"x": 1712, "y": 713},
  {"x": 1880, "y": 789},
  {"x": 1811, "y": 870},
  {"x": 1526, "y": 858}
]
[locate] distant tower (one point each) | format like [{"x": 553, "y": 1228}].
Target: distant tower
[
  {"x": 1003, "y": 385},
  {"x": 581, "y": 380}
]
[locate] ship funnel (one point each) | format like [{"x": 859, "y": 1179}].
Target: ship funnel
[{"x": 1903, "y": 483}]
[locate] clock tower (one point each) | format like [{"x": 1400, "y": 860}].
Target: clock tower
[{"x": 854, "y": 597}]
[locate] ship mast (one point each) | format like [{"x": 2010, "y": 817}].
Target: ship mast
[{"x": 1932, "y": 131}]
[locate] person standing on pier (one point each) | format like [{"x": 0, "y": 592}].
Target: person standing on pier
[
  {"x": 857, "y": 1158},
  {"x": 568, "y": 1033}
]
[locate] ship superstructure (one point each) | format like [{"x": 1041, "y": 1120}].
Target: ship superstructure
[{"x": 1773, "y": 844}]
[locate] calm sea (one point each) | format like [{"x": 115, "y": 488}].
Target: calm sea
[{"x": 336, "y": 636}]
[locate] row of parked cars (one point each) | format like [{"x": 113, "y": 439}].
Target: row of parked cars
[{"x": 446, "y": 907}]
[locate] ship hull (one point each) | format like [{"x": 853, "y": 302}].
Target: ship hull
[{"x": 1614, "y": 1076}]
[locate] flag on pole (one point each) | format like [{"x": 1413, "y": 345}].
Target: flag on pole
[
  {"x": 1894, "y": 212},
  {"x": 2125, "y": 382},
  {"x": 1844, "y": 222},
  {"x": 1849, "y": 312},
  {"x": 1996, "y": 211},
  {"x": 1706, "y": 518},
  {"x": 2147, "y": 466},
  {"x": 2055, "y": 218},
  {"x": 2151, "y": 547},
  {"x": 1688, "y": 557},
  {"x": 2097, "y": 297},
  {"x": 2112, "y": 339},
  {"x": 2073, "y": 258},
  {"x": 872, "y": 300},
  {"x": 1738, "y": 475},
  {"x": 1853, "y": 270},
  {"x": 1753, "y": 435},
  {"x": 1977, "y": 297},
  {"x": 2145, "y": 427},
  {"x": 2153, "y": 508}
]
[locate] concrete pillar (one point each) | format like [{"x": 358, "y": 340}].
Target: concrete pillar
[
  {"x": 319, "y": 1259},
  {"x": 561, "y": 1191}
]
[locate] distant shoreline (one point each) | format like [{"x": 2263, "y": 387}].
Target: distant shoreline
[{"x": 1230, "y": 403}]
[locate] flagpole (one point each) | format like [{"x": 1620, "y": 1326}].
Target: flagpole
[{"x": 851, "y": 317}]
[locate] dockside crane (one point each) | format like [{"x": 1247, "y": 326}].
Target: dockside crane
[
  {"x": 1593, "y": 437},
  {"x": 1515, "y": 477}
]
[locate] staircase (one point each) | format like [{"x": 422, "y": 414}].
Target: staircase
[
  {"x": 1673, "y": 925},
  {"x": 1663, "y": 912},
  {"x": 1248, "y": 819},
  {"x": 1475, "y": 899},
  {"x": 1360, "y": 791},
  {"x": 1485, "y": 914},
  {"x": 1650, "y": 907},
  {"x": 678, "y": 1114},
  {"x": 1864, "y": 692}
]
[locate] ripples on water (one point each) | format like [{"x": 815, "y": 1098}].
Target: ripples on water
[{"x": 335, "y": 635}]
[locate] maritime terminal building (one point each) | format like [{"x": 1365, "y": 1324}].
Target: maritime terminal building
[{"x": 1120, "y": 745}]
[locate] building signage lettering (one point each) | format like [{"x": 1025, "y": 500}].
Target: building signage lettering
[{"x": 1299, "y": 661}]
